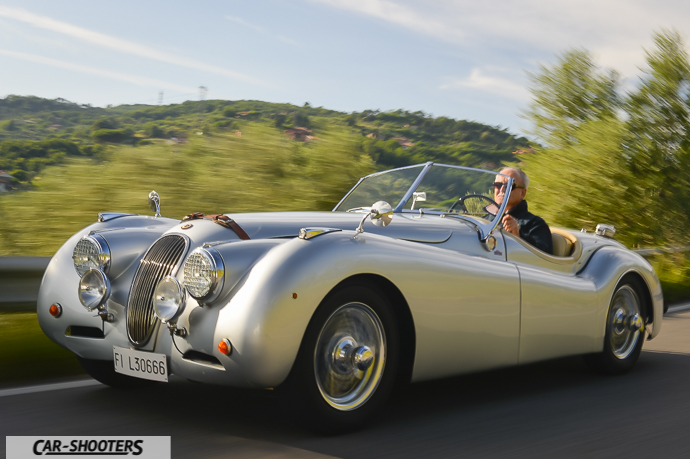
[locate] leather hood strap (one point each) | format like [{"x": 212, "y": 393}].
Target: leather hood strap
[{"x": 222, "y": 220}]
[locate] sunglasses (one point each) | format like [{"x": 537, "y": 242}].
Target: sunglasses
[{"x": 499, "y": 185}]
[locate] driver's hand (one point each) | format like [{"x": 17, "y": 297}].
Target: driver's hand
[{"x": 511, "y": 225}]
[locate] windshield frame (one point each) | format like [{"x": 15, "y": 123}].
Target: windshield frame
[{"x": 485, "y": 229}]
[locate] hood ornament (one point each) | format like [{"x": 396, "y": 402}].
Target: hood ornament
[{"x": 155, "y": 203}]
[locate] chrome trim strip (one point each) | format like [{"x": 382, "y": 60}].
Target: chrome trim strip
[
  {"x": 310, "y": 233},
  {"x": 107, "y": 216}
]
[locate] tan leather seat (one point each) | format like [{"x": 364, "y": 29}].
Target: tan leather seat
[{"x": 562, "y": 247}]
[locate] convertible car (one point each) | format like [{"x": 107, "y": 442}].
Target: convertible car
[{"x": 409, "y": 278}]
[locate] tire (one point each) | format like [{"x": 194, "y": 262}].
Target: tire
[
  {"x": 347, "y": 363},
  {"x": 624, "y": 332},
  {"x": 104, "y": 372}
]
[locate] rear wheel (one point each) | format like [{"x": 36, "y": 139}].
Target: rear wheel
[
  {"x": 104, "y": 372},
  {"x": 347, "y": 362},
  {"x": 624, "y": 332}
]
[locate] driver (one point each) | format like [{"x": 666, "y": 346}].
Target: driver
[{"x": 517, "y": 219}]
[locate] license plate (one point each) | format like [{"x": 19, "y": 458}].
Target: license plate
[{"x": 140, "y": 364}]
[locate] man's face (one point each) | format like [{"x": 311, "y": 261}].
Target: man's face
[{"x": 514, "y": 196}]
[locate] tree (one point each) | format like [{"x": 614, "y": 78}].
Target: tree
[
  {"x": 572, "y": 92},
  {"x": 658, "y": 137},
  {"x": 583, "y": 184}
]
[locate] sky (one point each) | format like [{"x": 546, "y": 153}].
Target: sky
[{"x": 462, "y": 59}]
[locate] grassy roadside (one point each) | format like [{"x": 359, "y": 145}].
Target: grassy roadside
[{"x": 28, "y": 356}]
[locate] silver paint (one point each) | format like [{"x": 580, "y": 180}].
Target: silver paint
[{"x": 472, "y": 309}]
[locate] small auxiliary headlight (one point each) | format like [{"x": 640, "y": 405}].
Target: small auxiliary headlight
[
  {"x": 91, "y": 252},
  {"x": 168, "y": 299},
  {"x": 94, "y": 289},
  {"x": 204, "y": 272}
]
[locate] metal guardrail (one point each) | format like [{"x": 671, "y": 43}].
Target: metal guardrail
[{"x": 20, "y": 278}]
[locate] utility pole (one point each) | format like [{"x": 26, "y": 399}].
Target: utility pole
[
  {"x": 160, "y": 98},
  {"x": 202, "y": 96}
]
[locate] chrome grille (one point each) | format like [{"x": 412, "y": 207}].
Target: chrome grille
[{"x": 161, "y": 260}]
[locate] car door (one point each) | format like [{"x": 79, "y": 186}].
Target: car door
[
  {"x": 557, "y": 308},
  {"x": 465, "y": 301}
]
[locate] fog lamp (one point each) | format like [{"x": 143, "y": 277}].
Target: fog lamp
[
  {"x": 94, "y": 289},
  {"x": 168, "y": 299}
]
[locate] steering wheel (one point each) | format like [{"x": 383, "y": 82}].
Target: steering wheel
[{"x": 474, "y": 204}]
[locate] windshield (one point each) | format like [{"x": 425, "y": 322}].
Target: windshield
[
  {"x": 389, "y": 186},
  {"x": 429, "y": 189}
]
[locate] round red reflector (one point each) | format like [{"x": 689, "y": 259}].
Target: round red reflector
[
  {"x": 55, "y": 310},
  {"x": 224, "y": 347}
]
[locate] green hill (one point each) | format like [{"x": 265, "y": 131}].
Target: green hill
[{"x": 72, "y": 161}]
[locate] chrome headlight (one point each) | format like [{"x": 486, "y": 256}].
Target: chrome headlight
[
  {"x": 91, "y": 252},
  {"x": 168, "y": 299},
  {"x": 204, "y": 272},
  {"x": 94, "y": 289}
]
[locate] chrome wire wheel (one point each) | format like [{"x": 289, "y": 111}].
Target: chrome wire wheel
[
  {"x": 625, "y": 325},
  {"x": 350, "y": 356}
]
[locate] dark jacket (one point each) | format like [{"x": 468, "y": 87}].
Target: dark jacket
[{"x": 533, "y": 229}]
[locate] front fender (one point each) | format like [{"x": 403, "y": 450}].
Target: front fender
[
  {"x": 606, "y": 268},
  {"x": 128, "y": 238},
  {"x": 266, "y": 318}
]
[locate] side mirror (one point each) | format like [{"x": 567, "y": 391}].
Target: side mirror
[
  {"x": 155, "y": 203},
  {"x": 381, "y": 214},
  {"x": 418, "y": 196}
]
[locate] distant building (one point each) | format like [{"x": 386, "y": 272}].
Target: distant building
[
  {"x": 522, "y": 152},
  {"x": 5, "y": 180},
  {"x": 301, "y": 134},
  {"x": 405, "y": 143}
]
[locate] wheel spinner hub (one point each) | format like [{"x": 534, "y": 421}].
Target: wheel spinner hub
[
  {"x": 625, "y": 323},
  {"x": 350, "y": 355}
]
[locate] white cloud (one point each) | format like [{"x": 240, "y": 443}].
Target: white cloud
[
  {"x": 135, "y": 79},
  {"x": 287, "y": 40},
  {"x": 245, "y": 23},
  {"x": 117, "y": 44},
  {"x": 259, "y": 29},
  {"x": 416, "y": 19},
  {"x": 615, "y": 31},
  {"x": 477, "y": 80}
]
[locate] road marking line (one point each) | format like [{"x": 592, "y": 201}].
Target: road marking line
[
  {"x": 679, "y": 308},
  {"x": 48, "y": 387}
]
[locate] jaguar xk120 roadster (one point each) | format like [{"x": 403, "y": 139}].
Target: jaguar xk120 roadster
[{"x": 333, "y": 309}]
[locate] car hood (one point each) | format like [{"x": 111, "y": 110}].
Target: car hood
[{"x": 411, "y": 227}]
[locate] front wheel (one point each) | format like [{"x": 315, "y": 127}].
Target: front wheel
[
  {"x": 347, "y": 363},
  {"x": 624, "y": 332}
]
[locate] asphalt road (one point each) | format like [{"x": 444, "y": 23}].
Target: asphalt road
[{"x": 556, "y": 409}]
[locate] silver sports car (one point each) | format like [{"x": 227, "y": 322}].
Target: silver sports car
[{"x": 409, "y": 278}]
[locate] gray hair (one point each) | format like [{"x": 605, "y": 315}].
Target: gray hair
[{"x": 518, "y": 171}]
